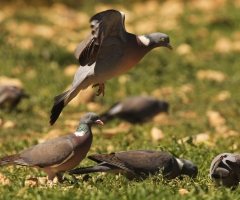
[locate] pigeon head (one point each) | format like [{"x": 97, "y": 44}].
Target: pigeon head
[
  {"x": 90, "y": 119},
  {"x": 156, "y": 40},
  {"x": 164, "y": 106},
  {"x": 187, "y": 167}
]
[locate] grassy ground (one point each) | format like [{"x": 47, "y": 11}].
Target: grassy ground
[{"x": 37, "y": 44}]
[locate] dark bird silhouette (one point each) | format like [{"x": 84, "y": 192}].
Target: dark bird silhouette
[
  {"x": 10, "y": 96},
  {"x": 137, "y": 109}
]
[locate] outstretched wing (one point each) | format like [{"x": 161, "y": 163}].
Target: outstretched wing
[{"x": 105, "y": 24}]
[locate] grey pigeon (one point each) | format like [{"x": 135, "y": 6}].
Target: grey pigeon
[
  {"x": 107, "y": 52},
  {"x": 140, "y": 164},
  {"x": 11, "y": 95},
  {"x": 135, "y": 109},
  {"x": 59, "y": 154},
  {"x": 225, "y": 169}
]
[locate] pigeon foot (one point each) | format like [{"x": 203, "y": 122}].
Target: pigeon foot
[{"x": 100, "y": 89}]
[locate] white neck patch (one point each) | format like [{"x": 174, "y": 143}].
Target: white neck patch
[
  {"x": 116, "y": 109},
  {"x": 79, "y": 133},
  {"x": 180, "y": 163},
  {"x": 144, "y": 40}
]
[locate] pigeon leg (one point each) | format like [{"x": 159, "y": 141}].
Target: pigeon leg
[
  {"x": 100, "y": 89},
  {"x": 60, "y": 177}
]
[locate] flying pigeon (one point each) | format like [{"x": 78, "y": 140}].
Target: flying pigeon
[
  {"x": 140, "y": 164},
  {"x": 11, "y": 95},
  {"x": 107, "y": 52},
  {"x": 135, "y": 109},
  {"x": 59, "y": 154},
  {"x": 225, "y": 169}
]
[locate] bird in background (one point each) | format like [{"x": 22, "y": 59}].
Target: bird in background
[
  {"x": 136, "y": 109},
  {"x": 10, "y": 96},
  {"x": 225, "y": 169},
  {"x": 107, "y": 52},
  {"x": 59, "y": 154},
  {"x": 139, "y": 164}
]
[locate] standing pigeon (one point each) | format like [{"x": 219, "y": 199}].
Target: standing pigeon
[
  {"x": 11, "y": 95},
  {"x": 225, "y": 169},
  {"x": 135, "y": 109},
  {"x": 59, "y": 154},
  {"x": 140, "y": 164},
  {"x": 108, "y": 51}
]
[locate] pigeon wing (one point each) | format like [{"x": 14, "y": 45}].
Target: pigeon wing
[{"x": 106, "y": 24}]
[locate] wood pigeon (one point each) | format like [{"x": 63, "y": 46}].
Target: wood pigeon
[
  {"x": 11, "y": 95},
  {"x": 107, "y": 52},
  {"x": 59, "y": 154},
  {"x": 136, "y": 109},
  {"x": 140, "y": 164},
  {"x": 225, "y": 169}
]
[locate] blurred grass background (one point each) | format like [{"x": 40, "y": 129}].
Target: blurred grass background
[{"x": 200, "y": 79}]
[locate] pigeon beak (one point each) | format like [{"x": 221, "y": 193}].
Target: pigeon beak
[
  {"x": 99, "y": 122},
  {"x": 170, "y": 47}
]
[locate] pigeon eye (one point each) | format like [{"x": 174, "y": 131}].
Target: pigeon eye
[{"x": 162, "y": 39}]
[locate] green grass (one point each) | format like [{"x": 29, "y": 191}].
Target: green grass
[{"x": 41, "y": 70}]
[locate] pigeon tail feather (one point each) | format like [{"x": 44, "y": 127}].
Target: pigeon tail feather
[
  {"x": 60, "y": 97},
  {"x": 55, "y": 112},
  {"x": 91, "y": 169},
  {"x": 58, "y": 106},
  {"x": 12, "y": 160}
]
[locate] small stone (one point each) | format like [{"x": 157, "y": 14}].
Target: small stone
[
  {"x": 211, "y": 75},
  {"x": 184, "y": 49},
  {"x": 187, "y": 114},
  {"x": 123, "y": 128},
  {"x": 223, "y": 45},
  {"x": 110, "y": 148},
  {"x": 42, "y": 180},
  {"x": 163, "y": 92},
  {"x": 70, "y": 70},
  {"x": 26, "y": 44},
  {"x": 124, "y": 78},
  {"x": 9, "y": 124},
  {"x": 10, "y": 81},
  {"x": 4, "y": 180},
  {"x": 221, "y": 128},
  {"x": 199, "y": 138},
  {"x": 31, "y": 182},
  {"x": 236, "y": 46},
  {"x": 223, "y": 95},
  {"x": 215, "y": 119},
  {"x": 183, "y": 191},
  {"x": 92, "y": 106},
  {"x": 187, "y": 88},
  {"x": 156, "y": 134},
  {"x": 202, "y": 137}
]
